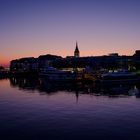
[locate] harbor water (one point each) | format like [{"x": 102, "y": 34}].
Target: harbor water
[{"x": 38, "y": 109}]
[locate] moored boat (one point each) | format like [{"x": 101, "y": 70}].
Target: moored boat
[
  {"x": 119, "y": 77},
  {"x": 54, "y": 74}
]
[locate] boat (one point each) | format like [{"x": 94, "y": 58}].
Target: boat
[
  {"x": 119, "y": 77},
  {"x": 53, "y": 74}
]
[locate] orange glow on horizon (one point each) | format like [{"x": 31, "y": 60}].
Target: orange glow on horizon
[
  {"x": 36, "y": 47},
  {"x": 6, "y": 61}
]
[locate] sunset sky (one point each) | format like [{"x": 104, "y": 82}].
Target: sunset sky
[{"x": 37, "y": 27}]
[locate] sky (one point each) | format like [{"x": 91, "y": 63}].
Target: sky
[{"x": 29, "y": 28}]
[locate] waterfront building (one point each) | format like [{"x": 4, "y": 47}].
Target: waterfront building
[
  {"x": 29, "y": 64},
  {"x": 136, "y": 59}
]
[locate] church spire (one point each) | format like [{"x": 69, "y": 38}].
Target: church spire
[
  {"x": 76, "y": 52},
  {"x": 76, "y": 44}
]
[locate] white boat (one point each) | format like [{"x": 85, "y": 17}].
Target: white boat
[
  {"x": 54, "y": 74},
  {"x": 120, "y": 77}
]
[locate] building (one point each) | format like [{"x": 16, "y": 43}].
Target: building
[
  {"x": 76, "y": 52},
  {"x": 114, "y": 54},
  {"x": 29, "y": 64},
  {"x": 136, "y": 59}
]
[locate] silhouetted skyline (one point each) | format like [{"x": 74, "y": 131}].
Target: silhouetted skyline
[{"x": 35, "y": 27}]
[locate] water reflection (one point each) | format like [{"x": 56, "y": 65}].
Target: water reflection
[
  {"x": 58, "y": 116},
  {"x": 46, "y": 87}
]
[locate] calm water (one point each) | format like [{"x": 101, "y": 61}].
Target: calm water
[{"x": 37, "y": 109}]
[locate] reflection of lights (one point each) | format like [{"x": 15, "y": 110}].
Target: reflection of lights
[
  {"x": 134, "y": 91},
  {"x": 72, "y": 71},
  {"x": 24, "y": 81},
  {"x": 88, "y": 90},
  {"x": 135, "y": 87}
]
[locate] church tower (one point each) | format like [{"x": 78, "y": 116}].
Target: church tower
[{"x": 76, "y": 52}]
